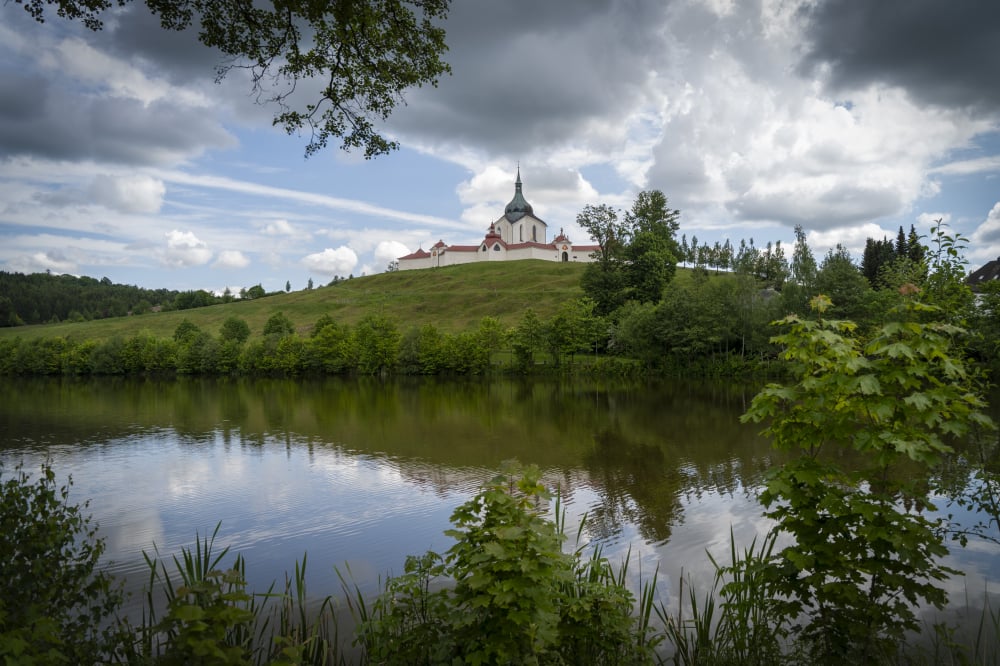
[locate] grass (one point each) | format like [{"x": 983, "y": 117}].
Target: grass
[{"x": 454, "y": 298}]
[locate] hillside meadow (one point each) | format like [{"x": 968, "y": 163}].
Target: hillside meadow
[{"x": 453, "y": 298}]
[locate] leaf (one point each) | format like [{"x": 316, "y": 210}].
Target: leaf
[{"x": 869, "y": 385}]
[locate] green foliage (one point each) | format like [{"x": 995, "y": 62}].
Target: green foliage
[
  {"x": 575, "y": 328},
  {"x": 278, "y": 326},
  {"x": 234, "y": 329},
  {"x": 738, "y": 621},
  {"x": 637, "y": 256},
  {"x": 526, "y": 339},
  {"x": 841, "y": 281},
  {"x": 517, "y": 597},
  {"x": 945, "y": 285},
  {"x": 41, "y": 298},
  {"x": 363, "y": 55},
  {"x": 376, "y": 341},
  {"x": 863, "y": 555},
  {"x": 56, "y": 605},
  {"x": 211, "y": 618}
]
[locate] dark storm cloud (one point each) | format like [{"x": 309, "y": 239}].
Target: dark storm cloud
[
  {"x": 531, "y": 74},
  {"x": 943, "y": 53},
  {"x": 70, "y": 126},
  {"x": 178, "y": 55}
]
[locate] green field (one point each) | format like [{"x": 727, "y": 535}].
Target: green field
[{"x": 454, "y": 299}]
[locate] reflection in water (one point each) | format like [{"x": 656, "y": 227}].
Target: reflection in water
[{"x": 365, "y": 472}]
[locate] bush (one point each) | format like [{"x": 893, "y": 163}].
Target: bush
[
  {"x": 517, "y": 598},
  {"x": 56, "y": 605}
]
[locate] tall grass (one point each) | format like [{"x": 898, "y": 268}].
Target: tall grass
[
  {"x": 735, "y": 621},
  {"x": 203, "y": 614}
]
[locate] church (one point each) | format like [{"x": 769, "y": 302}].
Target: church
[{"x": 515, "y": 235}]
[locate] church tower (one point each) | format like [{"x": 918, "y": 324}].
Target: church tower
[{"x": 519, "y": 224}]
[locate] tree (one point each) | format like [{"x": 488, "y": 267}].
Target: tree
[
  {"x": 860, "y": 560},
  {"x": 309, "y": 285},
  {"x": 526, "y": 339},
  {"x": 803, "y": 263},
  {"x": 234, "y": 329},
  {"x": 288, "y": 286},
  {"x": 256, "y": 291},
  {"x": 185, "y": 332},
  {"x": 364, "y": 53},
  {"x": 650, "y": 214},
  {"x": 637, "y": 255},
  {"x": 278, "y": 325},
  {"x": 841, "y": 281}
]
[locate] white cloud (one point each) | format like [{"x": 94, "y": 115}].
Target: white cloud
[
  {"x": 927, "y": 220},
  {"x": 128, "y": 194},
  {"x": 330, "y": 262},
  {"x": 851, "y": 237},
  {"x": 966, "y": 167},
  {"x": 299, "y": 196},
  {"x": 40, "y": 262},
  {"x": 986, "y": 237},
  {"x": 231, "y": 259},
  {"x": 387, "y": 251},
  {"x": 279, "y": 228},
  {"x": 185, "y": 249}
]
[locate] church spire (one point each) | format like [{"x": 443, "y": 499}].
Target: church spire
[{"x": 518, "y": 206}]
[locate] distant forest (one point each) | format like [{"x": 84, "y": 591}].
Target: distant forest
[{"x": 43, "y": 298}]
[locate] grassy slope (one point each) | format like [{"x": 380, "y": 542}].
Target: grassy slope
[{"x": 454, "y": 299}]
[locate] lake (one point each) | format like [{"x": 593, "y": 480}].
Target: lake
[{"x": 360, "y": 473}]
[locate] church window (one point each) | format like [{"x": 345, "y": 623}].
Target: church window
[
  {"x": 484, "y": 248},
  {"x": 496, "y": 248},
  {"x": 534, "y": 233},
  {"x": 520, "y": 234}
]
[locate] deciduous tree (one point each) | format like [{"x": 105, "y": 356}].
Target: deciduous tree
[{"x": 364, "y": 53}]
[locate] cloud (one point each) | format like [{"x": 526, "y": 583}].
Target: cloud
[
  {"x": 927, "y": 220},
  {"x": 942, "y": 53},
  {"x": 231, "y": 259},
  {"x": 330, "y": 262},
  {"x": 283, "y": 228},
  {"x": 40, "y": 262},
  {"x": 971, "y": 166},
  {"x": 390, "y": 250},
  {"x": 988, "y": 233},
  {"x": 578, "y": 70},
  {"x": 184, "y": 249},
  {"x": 299, "y": 196},
  {"x": 128, "y": 194},
  {"x": 65, "y": 99}
]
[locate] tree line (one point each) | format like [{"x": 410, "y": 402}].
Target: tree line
[
  {"x": 637, "y": 315},
  {"x": 376, "y": 345},
  {"x": 718, "y": 320},
  {"x": 43, "y": 298}
]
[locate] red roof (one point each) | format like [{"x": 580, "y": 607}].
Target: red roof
[{"x": 419, "y": 254}]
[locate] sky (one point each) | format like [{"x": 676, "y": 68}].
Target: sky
[{"x": 122, "y": 157}]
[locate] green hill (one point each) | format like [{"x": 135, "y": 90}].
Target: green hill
[{"x": 454, "y": 299}]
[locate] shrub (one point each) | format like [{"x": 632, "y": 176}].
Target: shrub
[
  {"x": 56, "y": 605},
  {"x": 516, "y": 597}
]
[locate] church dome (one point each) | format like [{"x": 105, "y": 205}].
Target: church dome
[{"x": 518, "y": 206}]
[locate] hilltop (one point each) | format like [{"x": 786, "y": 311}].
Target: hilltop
[{"x": 453, "y": 298}]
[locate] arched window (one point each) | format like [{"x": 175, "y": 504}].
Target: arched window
[
  {"x": 496, "y": 248},
  {"x": 534, "y": 233},
  {"x": 520, "y": 233},
  {"x": 565, "y": 256},
  {"x": 484, "y": 247}
]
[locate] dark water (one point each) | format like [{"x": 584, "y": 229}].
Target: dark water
[{"x": 360, "y": 473}]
